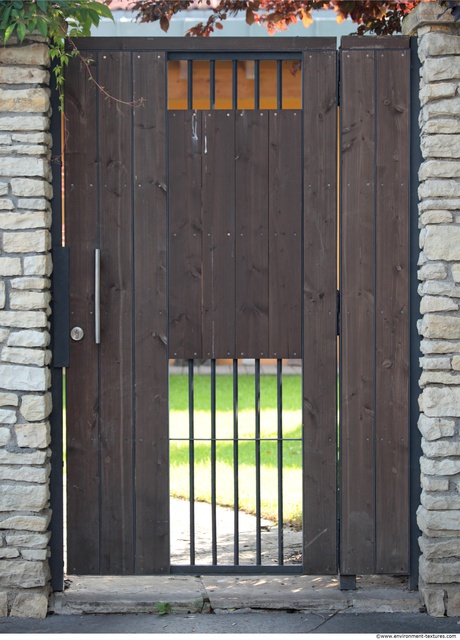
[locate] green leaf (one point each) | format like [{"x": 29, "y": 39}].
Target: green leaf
[
  {"x": 102, "y": 9},
  {"x": 5, "y": 18},
  {"x": 42, "y": 26},
  {"x": 21, "y": 29},
  {"x": 41, "y": 4},
  {"x": 8, "y": 31}
]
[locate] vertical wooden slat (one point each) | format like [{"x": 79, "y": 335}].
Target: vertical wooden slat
[
  {"x": 285, "y": 233},
  {"x": 319, "y": 321},
  {"x": 116, "y": 379},
  {"x": 184, "y": 189},
  {"x": 218, "y": 234},
  {"x": 150, "y": 316},
  {"x": 357, "y": 377},
  {"x": 251, "y": 234},
  {"x": 81, "y": 203},
  {"x": 392, "y": 329}
]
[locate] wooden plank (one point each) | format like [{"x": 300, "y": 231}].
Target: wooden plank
[
  {"x": 185, "y": 236},
  {"x": 150, "y": 316},
  {"x": 392, "y": 312},
  {"x": 116, "y": 380},
  {"x": 218, "y": 234},
  {"x": 319, "y": 320},
  {"x": 358, "y": 338},
  {"x": 81, "y": 206},
  {"x": 285, "y": 233},
  {"x": 212, "y": 45},
  {"x": 374, "y": 42},
  {"x": 251, "y": 234}
]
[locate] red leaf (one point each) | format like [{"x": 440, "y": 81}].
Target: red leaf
[{"x": 164, "y": 23}]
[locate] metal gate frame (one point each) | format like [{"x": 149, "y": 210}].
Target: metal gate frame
[{"x": 60, "y": 320}]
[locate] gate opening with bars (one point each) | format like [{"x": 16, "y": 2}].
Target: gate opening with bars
[{"x": 211, "y": 222}]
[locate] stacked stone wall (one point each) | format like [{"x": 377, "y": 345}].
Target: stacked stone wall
[
  {"x": 25, "y": 268},
  {"x": 439, "y": 275}
]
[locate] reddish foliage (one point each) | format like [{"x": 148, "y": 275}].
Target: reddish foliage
[{"x": 382, "y": 18}]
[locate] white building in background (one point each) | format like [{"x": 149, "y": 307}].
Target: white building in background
[{"x": 125, "y": 24}]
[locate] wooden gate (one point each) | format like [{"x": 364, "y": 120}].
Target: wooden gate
[{"x": 212, "y": 233}]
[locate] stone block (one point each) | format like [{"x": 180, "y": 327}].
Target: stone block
[
  {"x": 440, "y": 467},
  {"x": 36, "y": 100},
  {"x": 33, "y": 436},
  {"x": 431, "y": 483},
  {"x": 23, "y": 574},
  {"x": 29, "y": 605},
  {"x": 438, "y": 44},
  {"x": 442, "y": 145},
  {"x": 7, "y": 416},
  {"x": 22, "y": 378},
  {"x": 437, "y": 501},
  {"x": 453, "y": 602},
  {"x": 434, "y": 601},
  {"x": 29, "y": 299},
  {"x": 438, "y": 288},
  {"x": 18, "y": 473},
  {"x": 430, "y": 304},
  {"x": 36, "y": 407},
  {"x": 435, "y": 428},
  {"x": 442, "y": 237},
  {"x": 8, "y": 400},
  {"x": 39, "y": 137},
  {"x": 435, "y": 363},
  {"x": 28, "y": 188},
  {"x": 6, "y": 204},
  {"x": 34, "y": 554},
  {"x": 30, "y": 283},
  {"x": 4, "y": 333},
  {"x": 432, "y": 271},
  {"x": 13, "y": 458},
  {"x": 439, "y": 169},
  {"x": 441, "y": 125},
  {"x": 27, "y": 241},
  {"x": 2, "y": 295},
  {"x": 26, "y": 523},
  {"x": 23, "y": 75},
  {"x": 24, "y": 123},
  {"x": 440, "y": 448},
  {"x": 22, "y": 355},
  {"x": 438, "y": 572},
  {"x": 28, "y": 338},
  {"x": 37, "y": 204},
  {"x": 433, "y": 522},
  {"x": 40, "y": 266},
  {"x": 436, "y": 188},
  {"x": 8, "y": 552},
  {"x": 33, "y": 497},
  {"x": 440, "y": 326},
  {"x": 439, "y": 377},
  {"x": 26, "y": 220},
  {"x": 30, "y": 54},
  {"x": 442, "y": 68},
  {"x": 28, "y": 167},
  {"x": 5, "y": 436},
  {"x": 437, "y": 91},
  {"x": 28, "y": 540},
  {"x": 439, "y": 346},
  {"x": 439, "y": 548},
  {"x": 23, "y": 319},
  {"x": 3, "y": 604},
  {"x": 10, "y": 266},
  {"x": 4, "y": 187}
]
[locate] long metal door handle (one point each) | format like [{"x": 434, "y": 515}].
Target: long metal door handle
[{"x": 97, "y": 296}]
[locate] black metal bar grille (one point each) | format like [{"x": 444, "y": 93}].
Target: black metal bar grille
[{"x": 247, "y": 549}]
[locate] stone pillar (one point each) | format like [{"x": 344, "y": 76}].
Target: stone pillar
[
  {"x": 25, "y": 267},
  {"x": 439, "y": 222}
]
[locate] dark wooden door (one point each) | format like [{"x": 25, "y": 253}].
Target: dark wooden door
[{"x": 217, "y": 238}]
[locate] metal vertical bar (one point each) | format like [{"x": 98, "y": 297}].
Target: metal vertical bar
[
  {"x": 236, "y": 532},
  {"x": 213, "y": 463},
  {"x": 279, "y": 84},
  {"x": 212, "y": 83},
  {"x": 191, "y": 445},
  {"x": 256, "y": 84},
  {"x": 279, "y": 396},
  {"x": 234, "y": 84},
  {"x": 190, "y": 84},
  {"x": 257, "y": 455}
]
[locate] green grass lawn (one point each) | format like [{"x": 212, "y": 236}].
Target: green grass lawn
[{"x": 291, "y": 450}]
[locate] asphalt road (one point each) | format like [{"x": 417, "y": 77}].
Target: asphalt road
[{"x": 241, "y": 622}]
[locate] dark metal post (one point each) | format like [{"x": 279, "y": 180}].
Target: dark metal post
[
  {"x": 279, "y": 380},
  {"x": 257, "y": 456},
  {"x": 213, "y": 463},
  {"x": 236, "y": 532},
  {"x": 191, "y": 444}
]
